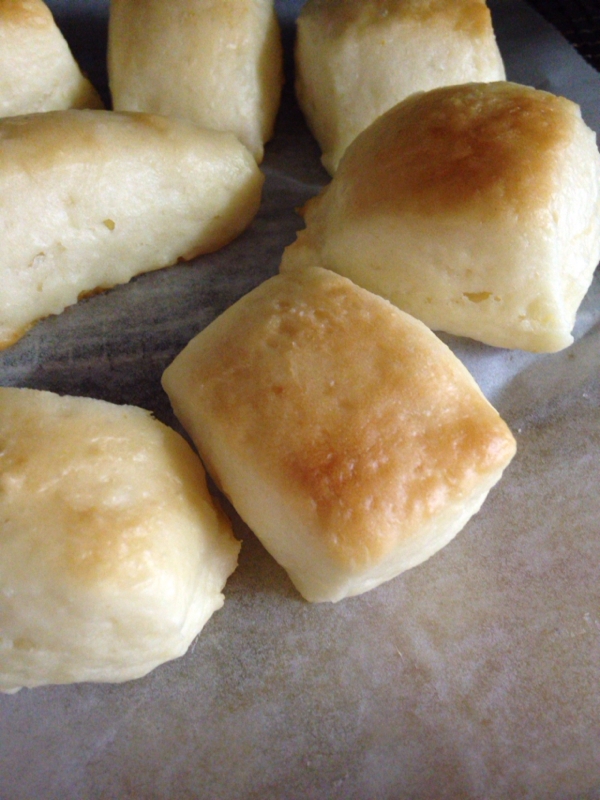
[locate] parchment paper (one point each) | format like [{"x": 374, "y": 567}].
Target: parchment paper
[{"x": 474, "y": 675}]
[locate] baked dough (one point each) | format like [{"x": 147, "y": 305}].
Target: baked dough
[
  {"x": 474, "y": 208},
  {"x": 356, "y": 59},
  {"x": 345, "y": 433},
  {"x": 88, "y": 199},
  {"x": 113, "y": 555},
  {"x": 37, "y": 69},
  {"x": 216, "y": 62}
]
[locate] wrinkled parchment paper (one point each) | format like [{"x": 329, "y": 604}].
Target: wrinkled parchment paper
[{"x": 474, "y": 675}]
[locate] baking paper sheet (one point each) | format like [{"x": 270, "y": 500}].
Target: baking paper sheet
[{"x": 474, "y": 675}]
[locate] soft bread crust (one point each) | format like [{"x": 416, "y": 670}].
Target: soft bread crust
[
  {"x": 216, "y": 62},
  {"x": 113, "y": 555},
  {"x": 88, "y": 199},
  {"x": 355, "y": 59},
  {"x": 346, "y": 434},
  {"x": 37, "y": 69},
  {"x": 475, "y": 208}
]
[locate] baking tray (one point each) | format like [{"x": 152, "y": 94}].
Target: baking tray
[
  {"x": 578, "y": 21},
  {"x": 474, "y": 675}
]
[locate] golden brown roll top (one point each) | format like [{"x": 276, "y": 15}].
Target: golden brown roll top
[
  {"x": 478, "y": 149},
  {"x": 475, "y": 208},
  {"x": 349, "y": 438},
  {"x": 470, "y": 16}
]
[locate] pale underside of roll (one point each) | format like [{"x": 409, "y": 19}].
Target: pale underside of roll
[
  {"x": 219, "y": 64},
  {"x": 88, "y": 199}
]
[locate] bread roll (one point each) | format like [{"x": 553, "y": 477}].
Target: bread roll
[
  {"x": 37, "y": 69},
  {"x": 88, "y": 199},
  {"x": 356, "y": 59},
  {"x": 474, "y": 208},
  {"x": 216, "y": 62},
  {"x": 112, "y": 553},
  {"x": 345, "y": 433}
]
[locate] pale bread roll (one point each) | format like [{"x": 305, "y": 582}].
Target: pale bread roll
[
  {"x": 474, "y": 208},
  {"x": 345, "y": 433},
  {"x": 37, "y": 69},
  {"x": 356, "y": 59},
  {"x": 113, "y": 555},
  {"x": 88, "y": 199},
  {"x": 218, "y": 63}
]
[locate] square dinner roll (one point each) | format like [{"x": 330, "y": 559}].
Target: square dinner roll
[
  {"x": 88, "y": 199},
  {"x": 356, "y": 59},
  {"x": 475, "y": 208},
  {"x": 345, "y": 433},
  {"x": 113, "y": 555},
  {"x": 218, "y": 63},
  {"x": 37, "y": 69}
]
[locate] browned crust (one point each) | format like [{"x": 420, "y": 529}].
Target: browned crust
[
  {"x": 25, "y": 13},
  {"x": 471, "y": 17},
  {"x": 12, "y": 338},
  {"x": 489, "y": 147},
  {"x": 355, "y": 411}
]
